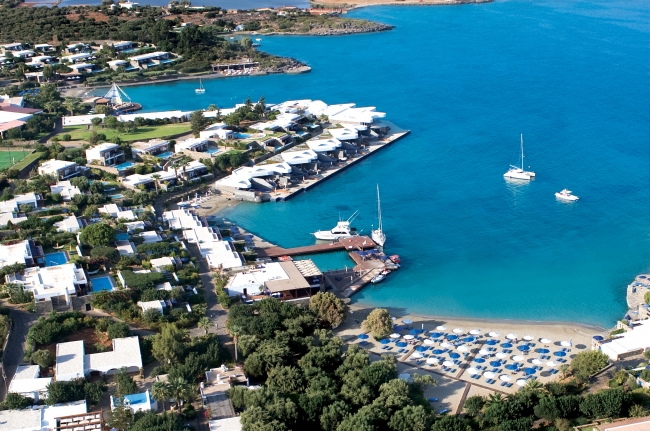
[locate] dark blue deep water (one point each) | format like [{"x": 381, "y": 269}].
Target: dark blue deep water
[{"x": 572, "y": 76}]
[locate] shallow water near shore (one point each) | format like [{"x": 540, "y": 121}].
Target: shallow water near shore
[{"x": 467, "y": 80}]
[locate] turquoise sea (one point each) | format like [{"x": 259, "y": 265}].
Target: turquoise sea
[{"x": 572, "y": 76}]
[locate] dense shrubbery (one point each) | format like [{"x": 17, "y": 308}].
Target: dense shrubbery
[
  {"x": 74, "y": 390},
  {"x": 142, "y": 281},
  {"x": 158, "y": 249},
  {"x": 56, "y": 326}
]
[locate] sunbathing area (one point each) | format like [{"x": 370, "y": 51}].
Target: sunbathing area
[{"x": 473, "y": 357}]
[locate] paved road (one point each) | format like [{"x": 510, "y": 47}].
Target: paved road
[{"x": 15, "y": 350}]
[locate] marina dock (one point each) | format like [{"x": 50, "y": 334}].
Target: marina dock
[{"x": 356, "y": 243}]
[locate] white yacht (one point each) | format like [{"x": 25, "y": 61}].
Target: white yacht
[
  {"x": 378, "y": 235},
  {"x": 517, "y": 172},
  {"x": 201, "y": 89},
  {"x": 566, "y": 195},
  {"x": 342, "y": 230}
]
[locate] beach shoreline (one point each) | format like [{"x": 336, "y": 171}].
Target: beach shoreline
[{"x": 370, "y": 3}]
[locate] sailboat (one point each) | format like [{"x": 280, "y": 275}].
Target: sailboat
[
  {"x": 378, "y": 235},
  {"x": 200, "y": 90},
  {"x": 518, "y": 173}
]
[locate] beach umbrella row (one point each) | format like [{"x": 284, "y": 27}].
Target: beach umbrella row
[
  {"x": 491, "y": 342},
  {"x": 523, "y": 348},
  {"x": 385, "y": 341}
]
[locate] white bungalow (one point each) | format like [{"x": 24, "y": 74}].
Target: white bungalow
[
  {"x": 192, "y": 144},
  {"x": 181, "y": 219},
  {"x": 116, "y": 212},
  {"x": 145, "y": 61},
  {"x": 154, "y": 147},
  {"x": 72, "y": 362},
  {"x": 218, "y": 129},
  {"x": 76, "y": 58},
  {"x": 299, "y": 157},
  {"x": 59, "y": 282},
  {"x": 158, "y": 305},
  {"x": 324, "y": 145},
  {"x": 106, "y": 154},
  {"x": 65, "y": 189},
  {"x": 27, "y": 382},
  {"x": 70, "y": 224},
  {"x": 61, "y": 169}
]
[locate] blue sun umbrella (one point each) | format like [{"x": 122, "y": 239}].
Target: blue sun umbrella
[
  {"x": 385, "y": 341},
  {"x": 363, "y": 336},
  {"x": 438, "y": 352},
  {"x": 495, "y": 364},
  {"x": 512, "y": 367},
  {"x": 530, "y": 371},
  {"x": 479, "y": 360},
  {"x": 401, "y": 344},
  {"x": 469, "y": 339},
  {"x": 542, "y": 350},
  {"x": 452, "y": 337},
  {"x": 523, "y": 348},
  {"x": 416, "y": 331},
  {"x": 421, "y": 348},
  {"x": 491, "y": 342},
  {"x": 436, "y": 334},
  {"x": 506, "y": 345},
  {"x": 598, "y": 338},
  {"x": 398, "y": 328},
  {"x": 560, "y": 354},
  {"x": 454, "y": 355}
]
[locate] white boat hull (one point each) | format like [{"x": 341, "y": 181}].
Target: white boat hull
[
  {"x": 566, "y": 198},
  {"x": 519, "y": 174},
  {"x": 379, "y": 237},
  {"x": 325, "y": 235}
]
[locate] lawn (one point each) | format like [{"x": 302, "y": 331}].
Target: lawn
[
  {"x": 81, "y": 133},
  {"x": 11, "y": 156}
]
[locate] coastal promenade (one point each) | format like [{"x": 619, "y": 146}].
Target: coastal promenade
[{"x": 395, "y": 134}]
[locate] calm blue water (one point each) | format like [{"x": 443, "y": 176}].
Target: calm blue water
[
  {"x": 102, "y": 283},
  {"x": 224, "y": 4},
  {"x": 571, "y": 76},
  {"x": 122, "y": 236},
  {"x": 54, "y": 259}
]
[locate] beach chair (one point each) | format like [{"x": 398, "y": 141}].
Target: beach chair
[
  {"x": 418, "y": 362},
  {"x": 503, "y": 383},
  {"x": 433, "y": 400},
  {"x": 443, "y": 411},
  {"x": 509, "y": 385}
]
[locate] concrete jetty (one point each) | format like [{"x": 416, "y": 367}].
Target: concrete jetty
[{"x": 355, "y": 243}]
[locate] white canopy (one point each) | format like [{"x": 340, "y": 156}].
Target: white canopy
[
  {"x": 458, "y": 331},
  {"x": 416, "y": 355},
  {"x": 528, "y": 337},
  {"x": 473, "y": 371},
  {"x": 463, "y": 349},
  {"x": 428, "y": 342},
  {"x": 493, "y": 334},
  {"x": 551, "y": 364},
  {"x": 408, "y": 337},
  {"x": 505, "y": 378},
  {"x": 441, "y": 328},
  {"x": 483, "y": 352},
  {"x": 517, "y": 358},
  {"x": 489, "y": 374},
  {"x": 448, "y": 364},
  {"x": 521, "y": 382},
  {"x": 545, "y": 341},
  {"x": 475, "y": 332},
  {"x": 511, "y": 336},
  {"x": 407, "y": 321},
  {"x": 446, "y": 345},
  {"x": 432, "y": 361},
  {"x": 565, "y": 343},
  {"x": 501, "y": 355},
  {"x": 395, "y": 335},
  {"x": 537, "y": 362}
]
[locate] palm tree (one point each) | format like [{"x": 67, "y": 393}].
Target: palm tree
[
  {"x": 205, "y": 323},
  {"x": 637, "y": 411},
  {"x": 161, "y": 391},
  {"x": 564, "y": 369},
  {"x": 181, "y": 390},
  {"x": 156, "y": 177},
  {"x": 534, "y": 386},
  {"x": 235, "y": 331},
  {"x": 212, "y": 107},
  {"x": 494, "y": 399},
  {"x": 71, "y": 104},
  {"x": 184, "y": 162}
]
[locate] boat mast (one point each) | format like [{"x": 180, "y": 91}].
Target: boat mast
[
  {"x": 522, "y": 151},
  {"x": 379, "y": 208}
]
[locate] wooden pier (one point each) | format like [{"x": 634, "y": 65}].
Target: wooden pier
[{"x": 355, "y": 243}]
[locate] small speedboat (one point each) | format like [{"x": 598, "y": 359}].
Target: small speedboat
[
  {"x": 395, "y": 258},
  {"x": 341, "y": 230},
  {"x": 379, "y": 277},
  {"x": 566, "y": 195}
]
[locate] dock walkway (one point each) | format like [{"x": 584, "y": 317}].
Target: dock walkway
[{"x": 356, "y": 243}]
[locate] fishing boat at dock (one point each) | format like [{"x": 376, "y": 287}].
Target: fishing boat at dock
[{"x": 341, "y": 230}]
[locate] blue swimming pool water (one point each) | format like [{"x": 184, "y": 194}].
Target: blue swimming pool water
[
  {"x": 102, "y": 283},
  {"x": 118, "y": 196},
  {"x": 123, "y": 236},
  {"x": 212, "y": 150},
  {"x": 136, "y": 398},
  {"x": 124, "y": 166},
  {"x": 165, "y": 155},
  {"x": 572, "y": 76},
  {"x": 241, "y": 135},
  {"x": 58, "y": 258}
]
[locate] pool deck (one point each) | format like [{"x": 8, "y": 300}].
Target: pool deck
[{"x": 395, "y": 134}]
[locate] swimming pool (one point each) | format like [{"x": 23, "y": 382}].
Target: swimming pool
[
  {"x": 212, "y": 150},
  {"x": 54, "y": 259},
  {"x": 241, "y": 135},
  {"x": 165, "y": 155},
  {"x": 124, "y": 166},
  {"x": 102, "y": 283},
  {"x": 122, "y": 236},
  {"x": 118, "y": 196},
  {"x": 136, "y": 398}
]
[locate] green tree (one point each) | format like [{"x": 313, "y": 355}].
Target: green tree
[
  {"x": 378, "y": 323},
  {"x": 288, "y": 380},
  {"x": 118, "y": 330},
  {"x": 94, "y": 392},
  {"x": 585, "y": 364},
  {"x": 451, "y": 423},
  {"x": 111, "y": 122},
  {"x": 96, "y": 121},
  {"x": 327, "y": 307},
  {"x": 98, "y": 234},
  {"x": 646, "y": 298},
  {"x": 181, "y": 390},
  {"x": 72, "y": 104},
  {"x": 197, "y": 122},
  {"x": 43, "y": 358},
  {"x": 410, "y": 418},
  {"x": 14, "y": 401},
  {"x": 205, "y": 323},
  {"x": 637, "y": 411},
  {"x": 160, "y": 391},
  {"x": 473, "y": 405},
  {"x": 124, "y": 384},
  {"x": 169, "y": 345},
  {"x": 121, "y": 417},
  {"x": 607, "y": 403},
  {"x": 109, "y": 253}
]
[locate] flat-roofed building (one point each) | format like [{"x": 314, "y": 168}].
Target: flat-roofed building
[
  {"x": 27, "y": 382},
  {"x": 106, "y": 154},
  {"x": 193, "y": 170},
  {"x": 145, "y": 61},
  {"x": 282, "y": 280},
  {"x": 141, "y": 402},
  {"x": 25, "y": 252},
  {"x": 72, "y": 362},
  {"x": 153, "y": 147},
  {"x": 53, "y": 283},
  {"x": 193, "y": 144},
  {"x": 76, "y": 58},
  {"x": 43, "y": 47},
  {"x": 157, "y": 305},
  {"x": 125, "y": 248},
  {"x": 632, "y": 342},
  {"x": 183, "y": 219},
  {"x": 13, "y": 47},
  {"x": 65, "y": 189},
  {"x": 61, "y": 169},
  {"x": 116, "y": 212},
  {"x": 77, "y": 47},
  {"x": 121, "y": 46},
  {"x": 148, "y": 181},
  {"x": 21, "y": 420},
  {"x": 70, "y": 224}
]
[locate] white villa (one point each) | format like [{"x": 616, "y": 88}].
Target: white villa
[
  {"x": 149, "y": 180},
  {"x": 116, "y": 212},
  {"x": 192, "y": 144},
  {"x": 13, "y": 205},
  {"x": 141, "y": 402},
  {"x": 52, "y": 283},
  {"x": 106, "y": 154},
  {"x": 193, "y": 170},
  {"x": 152, "y": 147},
  {"x": 65, "y": 189},
  {"x": 50, "y": 418},
  {"x": 218, "y": 253},
  {"x": 61, "y": 169},
  {"x": 181, "y": 219},
  {"x": 72, "y": 362},
  {"x": 240, "y": 178},
  {"x": 27, "y": 382},
  {"x": 159, "y": 306},
  {"x": 70, "y": 224},
  {"x": 161, "y": 262},
  {"x": 145, "y": 61},
  {"x": 632, "y": 342},
  {"x": 216, "y": 130},
  {"x": 25, "y": 252}
]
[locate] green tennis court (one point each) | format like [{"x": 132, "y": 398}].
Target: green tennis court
[{"x": 10, "y": 158}]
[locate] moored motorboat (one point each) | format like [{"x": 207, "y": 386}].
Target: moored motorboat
[
  {"x": 395, "y": 258},
  {"x": 566, "y": 195},
  {"x": 380, "y": 277},
  {"x": 341, "y": 230}
]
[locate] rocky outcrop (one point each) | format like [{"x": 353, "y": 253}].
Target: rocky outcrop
[{"x": 350, "y": 30}]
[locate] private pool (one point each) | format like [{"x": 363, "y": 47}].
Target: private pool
[
  {"x": 118, "y": 196},
  {"x": 212, "y": 150},
  {"x": 165, "y": 155},
  {"x": 241, "y": 135},
  {"x": 136, "y": 398},
  {"x": 58, "y": 258},
  {"x": 102, "y": 283},
  {"x": 122, "y": 236},
  {"x": 124, "y": 166}
]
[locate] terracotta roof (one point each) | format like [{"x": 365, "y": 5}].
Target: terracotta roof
[
  {"x": 19, "y": 110},
  {"x": 10, "y": 125}
]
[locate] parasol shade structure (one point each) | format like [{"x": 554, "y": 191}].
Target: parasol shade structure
[
  {"x": 385, "y": 341},
  {"x": 421, "y": 348},
  {"x": 475, "y": 332},
  {"x": 506, "y": 345},
  {"x": 505, "y": 378},
  {"x": 463, "y": 349},
  {"x": 448, "y": 364},
  {"x": 565, "y": 343},
  {"x": 551, "y": 364},
  {"x": 395, "y": 335},
  {"x": 454, "y": 355},
  {"x": 511, "y": 336},
  {"x": 362, "y": 336},
  {"x": 458, "y": 331},
  {"x": 469, "y": 339},
  {"x": 530, "y": 371},
  {"x": 491, "y": 342},
  {"x": 436, "y": 334},
  {"x": 473, "y": 371},
  {"x": 495, "y": 363},
  {"x": 441, "y": 328},
  {"x": 452, "y": 337},
  {"x": 407, "y": 321},
  {"x": 598, "y": 338},
  {"x": 416, "y": 331},
  {"x": 528, "y": 338},
  {"x": 428, "y": 342},
  {"x": 401, "y": 344},
  {"x": 479, "y": 360},
  {"x": 409, "y": 337},
  {"x": 542, "y": 350},
  {"x": 537, "y": 362},
  {"x": 438, "y": 352},
  {"x": 517, "y": 358},
  {"x": 545, "y": 341},
  {"x": 432, "y": 361},
  {"x": 512, "y": 367},
  {"x": 501, "y": 355},
  {"x": 560, "y": 354},
  {"x": 523, "y": 348},
  {"x": 521, "y": 382},
  {"x": 493, "y": 334},
  {"x": 489, "y": 374}
]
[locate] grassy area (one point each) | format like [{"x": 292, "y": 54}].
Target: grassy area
[
  {"x": 27, "y": 160},
  {"x": 81, "y": 133},
  {"x": 11, "y": 156}
]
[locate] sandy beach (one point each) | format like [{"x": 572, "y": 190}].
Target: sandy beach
[{"x": 365, "y": 3}]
